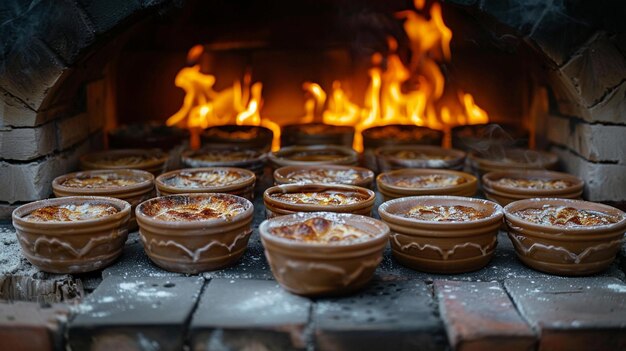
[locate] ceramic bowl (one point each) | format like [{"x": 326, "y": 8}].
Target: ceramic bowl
[
  {"x": 316, "y": 134},
  {"x": 418, "y": 156},
  {"x": 396, "y": 134},
  {"x": 511, "y": 159},
  {"x": 442, "y": 246},
  {"x": 565, "y": 250},
  {"x": 75, "y": 246},
  {"x": 133, "y": 186},
  {"x": 488, "y": 136},
  {"x": 362, "y": 199},
  {"x": 151, "y": 160},
  {"x": 508, "y": 186},
  {"x": 253, "y": 160},
  {"x": 324, "y": 174},
  {"x": 315, "y": 268},
  {"x": 229, "y": 180},
  {"x": 313, "y": 155},
  {"x": 187, "y": 240},
  {"x": 416, "y": 182},
  {"x": 147, "y": 136},
  {"x": 242, "y": 137}
]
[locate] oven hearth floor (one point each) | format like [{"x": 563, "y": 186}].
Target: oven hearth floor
[{"x": 135, "y": 304}]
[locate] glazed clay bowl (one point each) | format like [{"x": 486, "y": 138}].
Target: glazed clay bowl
[
  {"x": 253, "y": 160},
  {"x": 415, "y": 182},
  {"x": 278, "y": 207},
  {"x": 418, "y": 156},
  {"x": 133, "y": 186},
  {"x": 242, "y": 137},
  {"x": 194, "y": 244},
  {"x": 511, "y": 159},
  {"x": 563, "y": 250},
  {"x": 438, "y": 246},
  {"x": 229, "y": 180},
  {"x": 316, "y": 134},
  {"x": 314, "y": 268},
  {"x": 397, "y": 134},
  {"x": 507, "y": 192},
  {"x": 324, "y": 174},
  {"x": 487, "y": 136},
  {"x": 151, "y": 160},
  {"x": 313, "y": 155},
  {"x": 72, "y": 246},
  {"x": 147, "y": 136}
]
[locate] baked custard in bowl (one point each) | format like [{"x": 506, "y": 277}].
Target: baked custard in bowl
[
  {"x": 151, "y": 160},
  {"x": 324, "y": 174},
  {"x": 442, "y": 234},
  {"x": 508, "y": 186},
  {"x": 564, "y": 236},
  {"x": 511, "y": 159},
  {"x": 191, "y": 233},
  {"x": 235, "y": 181},
  {"x": 323, "y": 253},
  {"x": 313, "y": 155},
  {"x": 73, "y": 234},
  {"x": 415, "y": 182},
  {"x": 418, "y": 156},
  {"x": 253, "y": 160},
  {"x": 291, "y": 198}
]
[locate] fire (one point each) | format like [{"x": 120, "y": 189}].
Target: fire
[{"x": 414, "y": 93}]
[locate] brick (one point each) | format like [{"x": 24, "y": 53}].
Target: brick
[
  {"x": 50, "y": 289},
  {"x": 612, "y": 109},
  {"x": 247, "y": 314},
  {"x": 135, "y": 314},
  {"x": 594, "y": 142},
  {"x": 106, "y": 14},
  {"x": 480, "y": 316},
  {"x": 603, "y": 182},
  {"x": 72, "y": 130},
  {"x": 573, "y": 313},
  {"x": 396, "y": 315},
  {"x": 14, "y": 113},
  {"x": 28, "y": 326},
  {"x": 24, "y": 144}
]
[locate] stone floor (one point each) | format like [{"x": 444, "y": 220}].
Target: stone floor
[{"x": 135, "y": 305}]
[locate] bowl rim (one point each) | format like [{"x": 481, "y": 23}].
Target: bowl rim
[
  {"x": 349, "y": 155},
  {"x": 495, "y": 215},
  {"x": 471, "y": 179},
  {"x": 527, "y": 203},
  {"x": 264, "y": 133},
  {"x": 278, "y": 173},
  {"x": 369, "y": 130},
  {"x": 303, "y": 216},
  {"x": 336, "y": 129},
  {"x": 215, "y": 222},
  {"x": 91, "y": 159},
  {"x": 547, "y": 160},
  {"x": 249, "y": 179},
  {"x": 292, "y": 188},
  {"x": 382, "y": 151},
  {"x": 489, "y": 179},
  {"x": 147, "y": 181}
]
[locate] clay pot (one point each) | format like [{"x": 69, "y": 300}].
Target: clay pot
[
  {"x": 196, "y": 245},
  {"x": 151, "y": 160},
  {"x": 313, "y": 268},
  {"x": 418, "y": 156},
  {"x": 488, "y": 136},
  {"x": 348, "y": 175},
  {"x": 147, "y": 136},
  {"x": 133, "y": 193},
  {"x": 390, "y": 190},
  {"x": 561, "y": 250},
  {"x": 316, "y": 134},
  {"x": 442, "y": 247},
  {"x": 278, "y": 207},
  {"x": 397, "y": 134},
  {"x": 504, "y": 195},
  {"x": 243, "y": 186},
  {"x": 252, "y": 160},
  {"x": 511, "y": 159},
  {"x": 72, "y": 246},
  {"x": 242, "y": 137},
  {"x": 313, "y": 155}
]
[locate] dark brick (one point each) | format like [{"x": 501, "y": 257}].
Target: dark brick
[
  {"x": 518, "y": 14},
  {"x": 392, "y": 315},
  {"x": 29, "y": 326},
  {"x": 245, "y": 314},
  {"x": 573, "y": 313},
  {"x": 480, "y": 316},
  {"x": 135, "y": 314},
  {"x": 105, "y": 14}
]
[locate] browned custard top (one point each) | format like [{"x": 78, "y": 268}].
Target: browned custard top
[
  {"x": 183, "y": 209},
  {"x": 225, "y": 155},
  {"x": 426, "y": 181},
  {"x": 320, "y": 175},
  {"x": 100, "y": 181},
  {"x": 315, "y": 156},
  {"x": 203, "y": 179},
  {"x": 321, "y": 230},
  {"x": 565, "y": 216},
  {"x": 522, "y": 183},
  {"x": 126, "y": 160},
  {"x": 417, "y": 155},
  {"x": 455, "y": 213},
  {"x": 71, "y": 212},
  {"x": 324, "y": 198}
]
